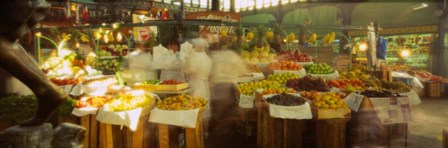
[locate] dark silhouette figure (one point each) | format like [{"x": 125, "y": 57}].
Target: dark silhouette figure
[{"x": 17, "y": 19}]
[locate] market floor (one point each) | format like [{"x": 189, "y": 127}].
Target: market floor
[{"x": 430, "y": 118}]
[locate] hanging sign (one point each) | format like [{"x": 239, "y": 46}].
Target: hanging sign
[
  {"x": 401, "y": 30},
  {"x": 215, "y": 15}
]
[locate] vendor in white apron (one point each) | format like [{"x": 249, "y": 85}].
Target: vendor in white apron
[
  {"x": 174, "y": 71},
  {"x": 198, "y": 67},
  {"x": 140, "y": 65}
]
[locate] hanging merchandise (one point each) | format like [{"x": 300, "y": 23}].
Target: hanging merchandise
[{"x": 381, "y": 48}]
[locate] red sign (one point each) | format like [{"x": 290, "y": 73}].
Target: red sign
[{"x": 215, "y": 15}]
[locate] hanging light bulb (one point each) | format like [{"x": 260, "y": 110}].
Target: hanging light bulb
[
  {"x": 105, "y": 39},
  {"x": 363, "y": 47},
  {"x": 119, "y": 37},
  {"x": 115, "y": 26},
  {"x": 38, "y": 34},
  {"x": 97, "y": 35}
]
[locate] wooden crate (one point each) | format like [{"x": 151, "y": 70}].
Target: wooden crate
[
  {"x": 330, "y": 133},
  {"x": 445, "y": 139},
  {"x": 275, "y": 132},
  {"x": 170, "y": 136},
  {"x": 177, "y": 87},
  {"x": 331, "y": 113},
  {"x": 433, "y": 89},
  {"x": 91, "y": 125},
  {"x": 147, "y": 87},
  {"x": 364, "y": 129}
]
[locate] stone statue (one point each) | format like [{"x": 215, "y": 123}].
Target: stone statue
[{"x": 17, "y": 19}]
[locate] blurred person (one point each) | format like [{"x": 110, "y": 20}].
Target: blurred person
[
  {"x": 198, "y": 67},
  {"x": 140, "y": 63},
  {"x": 226, "y": 68},
  {"x": 174, "y": 69}
]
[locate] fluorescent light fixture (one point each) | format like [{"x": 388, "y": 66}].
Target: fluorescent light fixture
[{"x": 423, "y": 5}]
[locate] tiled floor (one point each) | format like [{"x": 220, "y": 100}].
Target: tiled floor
[{"x": 430, "y": 118}]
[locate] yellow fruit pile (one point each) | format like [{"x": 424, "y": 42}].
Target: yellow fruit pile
[
  {"x": 328, "y": 100},
  {"x": 258, "y": 55},
  {"x": 250, "y": 87},
  {"x": 182, "y": 102},
  {"x": 129, "y": 101},
  {"x": 282, "y": 77}
]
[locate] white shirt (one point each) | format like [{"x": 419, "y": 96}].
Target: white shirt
[{"x": 227, "y": 67}]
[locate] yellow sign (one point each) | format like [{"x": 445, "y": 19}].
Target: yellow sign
[{"x": 402, "y": 30}]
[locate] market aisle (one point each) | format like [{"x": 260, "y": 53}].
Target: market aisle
[{"x": 430, "y": 118}]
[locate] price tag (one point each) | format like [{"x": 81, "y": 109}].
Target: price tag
[{"x": 353, "y": 101}]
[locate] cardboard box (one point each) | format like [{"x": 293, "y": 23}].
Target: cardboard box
[
  {"x": 177, "y": 87},
  {"x": 331, "y": 113}
]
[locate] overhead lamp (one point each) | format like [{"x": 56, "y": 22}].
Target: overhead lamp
[
  {"x": 423, "y": 5},
  {"x": 363, "y": 47},
  {"x": 405, "y": 53}
]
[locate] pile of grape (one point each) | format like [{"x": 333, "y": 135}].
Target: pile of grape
[
  {"x": 379, "y": 93},
  {"x": 286, "y": 100}
]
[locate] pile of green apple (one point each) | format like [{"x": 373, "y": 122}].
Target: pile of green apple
[{"x": 319, "y": 68}]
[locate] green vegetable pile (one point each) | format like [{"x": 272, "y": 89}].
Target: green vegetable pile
[{"x": 18, "y": 108}]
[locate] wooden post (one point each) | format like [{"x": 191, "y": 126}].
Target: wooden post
[{"x": 164, "y": 136}]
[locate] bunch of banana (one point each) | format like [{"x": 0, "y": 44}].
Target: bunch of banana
[
  {"x": 312, "y": 38},
  {"x": 329, "y": 38},
  {"x": 291, "y": 37}
]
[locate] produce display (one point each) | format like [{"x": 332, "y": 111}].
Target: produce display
[
  {"x": 92, "y": 101},
  {"x": 113, "y": 50},
  {"x": 182, "y": 102},
  {"x": 252, "y": 67},
  {"x": 151, "y": 82},
  {"x": 129, "y": 101},
  {"x": 308, "y": 83},
  {"x": 170, "y": 82},
  {"x": 107, "y": 64},
  {"x": 348, "y": 85},
  {"x": 284, "y": 65},
  {"x": 358, "y": 73},
  {"x": 278, "y": 91},
  {"x": 282, "y": 77},
  {"x": 319, "y": 68},
  {"x": 329, "y": 100},
  {"x": 258, "y": 55},
  {"x": 249, "y": 88},
  {"x": 396, "y": 87},
  {"x": 286, "y": 100},
  {"x": 293, "y": 55},
  {"x": 64, "y": 81},
  {"x": 379, "y": 93},
  {"x": 423, "y": 74}
]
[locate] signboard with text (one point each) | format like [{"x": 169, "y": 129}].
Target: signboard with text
[{"x": 215, "y": 15}]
